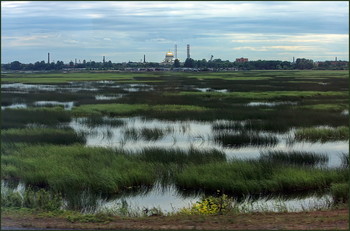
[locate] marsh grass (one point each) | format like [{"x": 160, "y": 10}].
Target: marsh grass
[
  {"x": 192, "y": 156},
  {"x": 97, "y": 120},
  {"x": 293, "y": 157},
  {"x": 42, "y": 135},
  {"x": 251, "y": 125},
  {"x": 74, "y": 168},
  {"x": 340, "y": 192},
  {"x": 322, "y": 134},
  {"x": 243, "y": 139},
  {"x": 257, "y": 177},
  {"x": 19, "y": 118}
]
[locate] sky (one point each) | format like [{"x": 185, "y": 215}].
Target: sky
[{"x": 125, "y": 31}]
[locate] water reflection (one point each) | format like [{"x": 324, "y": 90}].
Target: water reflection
[{"x": 194, "y": 134}]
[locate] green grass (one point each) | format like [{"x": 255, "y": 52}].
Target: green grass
[
  {"x": 293, "y": 157},
  {"x": 256, "y": 177},
  {"x": 322, "y": 134},
  {"x": 19, "y": 118},
  {"x": 130, "y": 109},
  {"x": 73, "y": 168},
  {"x": 42, "y": 135},
  {"x": 244, "y": 139},
  {"x": 264, "y": 94},
  {"x": 336, "y": 107}
]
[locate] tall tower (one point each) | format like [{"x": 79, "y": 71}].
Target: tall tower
[
  {"x": 188, "y": 51},
  {"x": 144, "y": 58},
  {"x": 175, "y": 51},
  {"x": 293, "y": 60},
  {"x": 104, "y": 60},
  {"x": 48, "y": 58},
  {"x": 336, "y": 59}
]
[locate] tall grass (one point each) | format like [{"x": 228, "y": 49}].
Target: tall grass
[
  {"x": 244, "y": 139},
  {"x": 252, "y": 125},
  {"x": 74, "y": 168},
  {"x": 42, "y": 135},
  {"x": 256, "y": 177},
  {"x": 19, "y": 118},
  {"x": 192, "y": 156},
  {"x": 148, "y": 134},
  {"x": 293, "y": 157},
  {"x": 322, "y": 134},
  {"x": 98, "y": 120}
]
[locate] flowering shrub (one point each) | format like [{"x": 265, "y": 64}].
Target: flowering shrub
[{"x": 209, "y": 206}]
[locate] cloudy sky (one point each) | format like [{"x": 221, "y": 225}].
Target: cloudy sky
[{"x": 125, "y": 31}]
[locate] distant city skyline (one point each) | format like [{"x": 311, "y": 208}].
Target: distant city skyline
[{"x": 126, "y": 31}]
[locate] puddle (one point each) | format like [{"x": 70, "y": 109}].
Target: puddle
[
  {"x": 345, "y": 112},
  {"x": 14, "y": 106},
  {"x": 185, "y": 135},
  {"x": 211, "y": 90},
  {"x": 66, "y": 105},
  {"x": 108, "y": 97},
  {"x": 71, "y": 87},
  {"x": 269, "y": 104}
]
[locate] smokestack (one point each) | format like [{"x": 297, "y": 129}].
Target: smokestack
[
  {"x": 336, "y": 59},
  {"x": 104, "y": 60},
  {"x": 75, "y": 62},
  {"x": 175, "y": 51},
  {"x": 188, "y": 51},
  {"x": 144, "y": 58},
  {"x": 48, "y": 58},
  {"x": 293, "y": 60}
]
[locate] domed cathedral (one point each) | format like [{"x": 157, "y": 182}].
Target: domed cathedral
[{"x": 169, "y": 57}]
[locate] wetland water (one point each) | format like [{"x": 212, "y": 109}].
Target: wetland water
[
  {"x": 182, "y": 135},
  {"x": 194, "y": 134}
]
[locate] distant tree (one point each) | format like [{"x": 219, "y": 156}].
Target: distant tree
[
  {"x": 189, "y": 63},
  {"x": 16, "y": 65},
  {"x": 304, "y": 64},
  {"x": 176, "y": 63}
]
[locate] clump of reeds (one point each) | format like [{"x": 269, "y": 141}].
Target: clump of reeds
[
  {"x": 42, "y": 135},
  {"x": 98, "y": 120},
  {"x": 322, "y": 134},
  {"x": 257, "y": 177},
  {"x": 19, "y": 118},
  {"x": 75, "y": 168},
  {"x": 148, "y": 134},
  {"x": 177, "y": 156},
  {"x": 251, "y": 125},
  {"x": 340, "y": 192},
  {"x": 293, "y": 157},
  {"x": 243, "y": 139}
]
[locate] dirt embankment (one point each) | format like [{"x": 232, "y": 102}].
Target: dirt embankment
[{"x": 332, "y": 219}]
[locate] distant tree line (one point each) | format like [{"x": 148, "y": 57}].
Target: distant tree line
[{"x": 216, "y": 64}]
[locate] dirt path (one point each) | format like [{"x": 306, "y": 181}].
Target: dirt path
[{"x": 326, "y": 220}]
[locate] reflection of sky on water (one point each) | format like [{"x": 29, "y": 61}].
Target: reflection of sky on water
[
  {"x": 194, "y": 134},
  {"x": 169, "y": 200}
]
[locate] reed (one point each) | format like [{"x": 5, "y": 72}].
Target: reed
[
  {"x": 256, "y": 177},
  {"x": 293, "y": 157},
  {"x": 177, "y": 156},
  {"x": 19, "y": 118},
  {"x": 75, "y": 168},
  {"x": 97, "y": 120},
  {"x": 244, "y": 139},
  {"x": 42, "y": 135},
  {"x": 322, "y": 134}
]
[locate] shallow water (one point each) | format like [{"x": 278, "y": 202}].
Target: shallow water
[
  {"x": 269, "y": 104},
  {"x": 194, "y": 134},
  {"x": 14, "y": 106},
  {"x": 66, "y": 105},
  {"x": 168, "y": 199}
]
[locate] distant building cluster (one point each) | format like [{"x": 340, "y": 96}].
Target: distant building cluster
[{"x": 242, "y": 60}]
